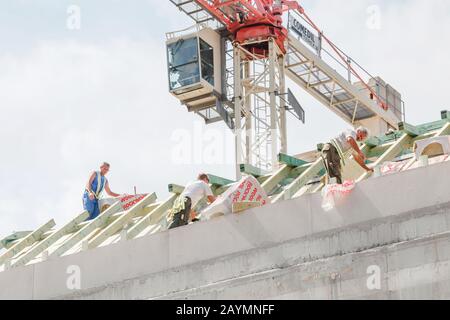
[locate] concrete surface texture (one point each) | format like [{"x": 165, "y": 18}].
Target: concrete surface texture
[{"x": 389, "y": 239}]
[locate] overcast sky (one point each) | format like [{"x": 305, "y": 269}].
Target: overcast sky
[{"x": 70, "y": 99}]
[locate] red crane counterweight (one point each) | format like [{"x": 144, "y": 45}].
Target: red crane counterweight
[{"x": 252, "y": 20}]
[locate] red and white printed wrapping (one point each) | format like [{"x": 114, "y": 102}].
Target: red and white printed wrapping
[
  {"x": 392, "y": 167},
  {"x": 434, "y": 160},
  {"x": 127, "y": 201},
  {"x": 248, "y": 189},
  {"x": 333, "y": 192}
]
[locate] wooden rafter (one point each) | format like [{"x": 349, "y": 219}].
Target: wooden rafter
[
  {"x": 276, "y": 178},
  {"x": 26, "y": 242},
  {"x": 390, "y": 154},
  {"x": 78, "y": 236},
  {"x": 300, "y": 181},
  {"x": 309, "y": 171},
  {"x": 118, "y": 224},
  {"x": 152, "y": 218},
  {"x": 50, "y": 240}
]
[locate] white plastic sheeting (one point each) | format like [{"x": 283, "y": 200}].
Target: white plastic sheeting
[
  {"x": 333, "y": 193},
  {"x": 247, "y": 189},
  {"x": 421, "y": 145},
  {"x": 127, "y": 201}
]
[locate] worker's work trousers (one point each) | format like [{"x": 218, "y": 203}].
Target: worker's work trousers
[
  {"x": 332, "y": 161},
  {"x": 91, "y": 206},
  {"x": 182, "y": 218}
]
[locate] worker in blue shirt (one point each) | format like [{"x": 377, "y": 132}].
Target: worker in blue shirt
[{"x": 94, "y": 188}]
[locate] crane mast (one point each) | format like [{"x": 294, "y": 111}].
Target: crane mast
[{"x": 250, "y": 93}]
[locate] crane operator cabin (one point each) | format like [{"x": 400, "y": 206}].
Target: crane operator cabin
[{"x": 194, "y": 68}]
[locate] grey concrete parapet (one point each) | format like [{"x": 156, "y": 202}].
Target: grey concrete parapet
[{"x": 385, "y": 210}]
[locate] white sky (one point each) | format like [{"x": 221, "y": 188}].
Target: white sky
[{"x": 70, "y": 99}]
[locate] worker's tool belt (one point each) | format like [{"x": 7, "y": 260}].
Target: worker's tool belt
[
  {"x": 100, "y": 185},
  {"x": 88, "y": 192},
  {"x": 179, "y": 205}
]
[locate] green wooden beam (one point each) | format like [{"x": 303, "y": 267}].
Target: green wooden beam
[
  {"x": 9, "y": 241},
  {"x": 299, "y": 170},
  {"x": 411, "y": 130},
  {"x": 379, "y": 141},
  {"x": 433, "y": 126},
  {"x": 445, "y": 115},
  {"x": 252, "y": 170},
  {"x": 219, "y": 181},
  {"x": 290, "y": 161},
  {"x": 373, "y": 142},
  {"x": 414, "y": 131}
]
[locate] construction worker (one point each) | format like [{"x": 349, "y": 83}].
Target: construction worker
[
  {"x": 95, "y": 186},
  {"x": 182, "y": 211},
  {"x": 333, "y": 153}
]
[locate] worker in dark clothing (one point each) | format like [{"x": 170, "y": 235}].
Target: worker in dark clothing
[
  {"x": 182, "y": 211},
  {"x": 333, "y": 153}
]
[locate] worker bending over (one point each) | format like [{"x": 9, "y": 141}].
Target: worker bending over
[
  {"x": 334, "y": 152},
  {"x": 94, "y": 188},
  {"x": 183, "y": 207}
]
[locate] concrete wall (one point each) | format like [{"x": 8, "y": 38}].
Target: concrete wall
[
  {"x": 286, "y": 241},
  {"x": 418, "y": 269}
]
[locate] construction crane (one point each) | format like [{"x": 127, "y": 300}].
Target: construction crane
[{"x": 233, "y": 68}]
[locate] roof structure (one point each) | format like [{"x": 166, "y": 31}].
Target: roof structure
[{"x": 294, "y": 178}]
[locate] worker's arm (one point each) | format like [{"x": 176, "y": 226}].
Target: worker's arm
[
  {"x": 362, "y": 163},
  {"x": 88, "y": 186},
  {"x": 109, "y": 192},
  {"x": 211, "y": 199},
  {"x": 360, "y": 158},
  {"x": 193, "y": 215},
  {"x": 355, "y": 147},
  {"x": 208, "y": 193}
]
